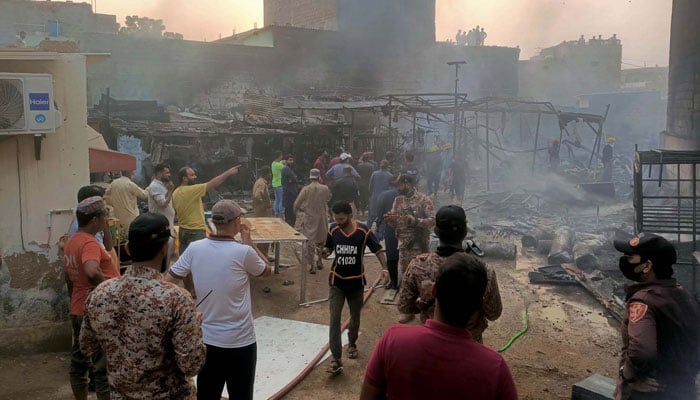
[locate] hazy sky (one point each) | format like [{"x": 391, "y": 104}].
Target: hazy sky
[{"x": 642, "y": 25}]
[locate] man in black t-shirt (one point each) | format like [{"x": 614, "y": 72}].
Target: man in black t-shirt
[{"x": 348, "y": 239}]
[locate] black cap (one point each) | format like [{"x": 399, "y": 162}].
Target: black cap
[
  {"x": 649, "y": 247},
  {"x": 450, "y": 217},
  {"x": 148, "y": 227},
  {"x": 405, "y": 178}
]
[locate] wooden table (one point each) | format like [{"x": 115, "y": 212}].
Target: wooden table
[{"x": 275, "y": 230}]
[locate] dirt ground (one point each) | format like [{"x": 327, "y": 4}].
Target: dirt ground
[{"x": 569, "y": 337}]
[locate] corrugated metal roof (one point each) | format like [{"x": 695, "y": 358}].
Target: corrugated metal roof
[{"x": 295, "y": 104}]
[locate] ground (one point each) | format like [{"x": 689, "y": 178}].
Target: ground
[{"x": 569, "y": 337}]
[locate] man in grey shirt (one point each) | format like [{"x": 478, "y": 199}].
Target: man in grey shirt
[{"x": 160, "y": 193}]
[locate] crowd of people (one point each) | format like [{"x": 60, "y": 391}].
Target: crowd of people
[{"x": 143, "y": 336}]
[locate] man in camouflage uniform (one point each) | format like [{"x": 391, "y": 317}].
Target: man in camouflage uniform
[
  {"x": 413, "y": 216},
  {"x": 416, "y": 294}
]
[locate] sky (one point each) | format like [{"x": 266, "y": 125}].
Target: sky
[{"x": 642, "y": 25}]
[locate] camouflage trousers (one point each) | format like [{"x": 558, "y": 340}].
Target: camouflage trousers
[{"x": 408, "y": 251}]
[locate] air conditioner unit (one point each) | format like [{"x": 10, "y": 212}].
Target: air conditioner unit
[{"x": 27, "y": 104}]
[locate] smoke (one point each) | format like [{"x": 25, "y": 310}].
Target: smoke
[
  {"x": 196, "y": 20},
  {"x": 535, "y": 24}
]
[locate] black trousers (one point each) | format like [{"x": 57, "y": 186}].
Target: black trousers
[{"x": 235, "y": 367}]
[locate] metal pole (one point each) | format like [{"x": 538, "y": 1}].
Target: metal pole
[
  {"x": 488, "y": 152},
  {"x": 456, "y": 113},
  {"x": 352, "y": 131},
  {"x": 390, "y": 116},
  {"x": 537, "y": 135},
  {"x": 414, "y": 131},
  {"x": 456, "y": 116}
]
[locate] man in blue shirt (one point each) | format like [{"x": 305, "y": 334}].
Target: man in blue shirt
[
  {"x": 336, "y": 172},
  {"x": 378, "y": 183},
  {"x": 385, "y": 202}
]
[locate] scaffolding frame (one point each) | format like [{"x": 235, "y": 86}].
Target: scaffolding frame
[
  {"x": 674, "y": 210},
  {"x": 437, "y": 105}
]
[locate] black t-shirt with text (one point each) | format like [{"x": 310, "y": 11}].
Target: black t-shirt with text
[{"x": 348, "y": 272}]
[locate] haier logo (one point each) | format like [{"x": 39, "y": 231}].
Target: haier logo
[{"x": 39, "y": 102}]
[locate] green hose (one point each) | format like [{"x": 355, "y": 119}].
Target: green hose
[{"x": 517, "y": 335}]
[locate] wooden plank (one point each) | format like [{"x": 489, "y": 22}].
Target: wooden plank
[
  {"x": 264, "y": 230},
  {"x": 595, "y": 387},
  {"x": 604, "y": 297}
]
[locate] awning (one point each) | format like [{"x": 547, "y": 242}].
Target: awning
[{"x": 110, "y": 161}]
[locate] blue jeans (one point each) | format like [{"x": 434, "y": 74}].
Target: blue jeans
[{"x": 277, "y": 206}]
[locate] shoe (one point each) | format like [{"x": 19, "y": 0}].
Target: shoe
[
  {"x": 391, "y": 286},
  {"x": 335, "y": 368},
  {"x": 319, "y": 266},
  {"x": 312, "y": 271},
  {"x": 352, "y": 351},
  {"x": 406, "y": 318}
]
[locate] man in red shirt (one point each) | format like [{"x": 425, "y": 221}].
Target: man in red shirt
[
  {"x": 441, "y": 360},
  {"x": 86, "y": 265},
  {"x": 336, "y": 160},
  {"x": 320, "y": 164}
]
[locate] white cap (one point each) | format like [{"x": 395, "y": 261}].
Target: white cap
[{"x": 345, "y": 156}]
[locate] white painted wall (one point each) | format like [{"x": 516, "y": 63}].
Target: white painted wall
[{"x": 29, "y": 188}]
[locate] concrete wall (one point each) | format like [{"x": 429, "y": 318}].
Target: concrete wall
[
  {"x": 32, "y": 17},
  {"x": 683, "y": 115},
  {"x": 313, "y": 14},
  {"x": 562, "y": 72},
  {"x": 170, "y": 71},
  {"x": 490, "y": 70},
  {"x": 33, "y": 298},
  {"x": 389, "y": 24}
]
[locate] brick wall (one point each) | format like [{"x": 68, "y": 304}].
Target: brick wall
[
  {"x": 313, "y": 14},
  {"x": 683, "y": 115}
]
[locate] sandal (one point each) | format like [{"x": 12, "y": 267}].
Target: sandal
[
  {"x": 352, "y": 351},
  {"x": 335, "y": 368}
]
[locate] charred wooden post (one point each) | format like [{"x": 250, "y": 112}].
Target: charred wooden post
[
  {"x": 500, "y": 251},
  {"x": 562, "y": 246},
  {"x": 584, "y": 257},
  {"x": 537, "y": 234},
  {"x": 544, "y": 247}
]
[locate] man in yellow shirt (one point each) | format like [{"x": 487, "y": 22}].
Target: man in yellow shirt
[
  {"x": 122, "y": 195},
  {"x": 187, "y": 201}
]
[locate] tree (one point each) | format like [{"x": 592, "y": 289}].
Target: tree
[
  {"x": 146, "y": 27},
  {"x": 173, "y": 35}
]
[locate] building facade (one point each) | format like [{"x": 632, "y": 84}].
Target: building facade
[
  {"x": 683, "y": 115},
  {"x": 38, "y": 197}
]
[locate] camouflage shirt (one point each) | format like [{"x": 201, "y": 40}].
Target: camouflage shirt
[
  {"x": 150, "y": 334},
  {"x": 421, "y": 208},
  {"x": 418, "y": 284}
]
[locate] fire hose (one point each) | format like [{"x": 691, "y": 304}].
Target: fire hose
[{"x": 288, "y": 387}]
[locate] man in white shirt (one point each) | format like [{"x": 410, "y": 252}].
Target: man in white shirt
[
  {"x": 221, "y": 268},
  {"x": 160, "y": 194}
]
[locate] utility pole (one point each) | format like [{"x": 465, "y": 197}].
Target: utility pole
[{"x": 456, "y": 116}]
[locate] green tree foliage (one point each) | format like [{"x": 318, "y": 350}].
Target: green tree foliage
[{"x": 147, "y": 27}]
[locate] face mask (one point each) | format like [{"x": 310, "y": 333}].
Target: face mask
[{"x": 627, "y": 269}]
